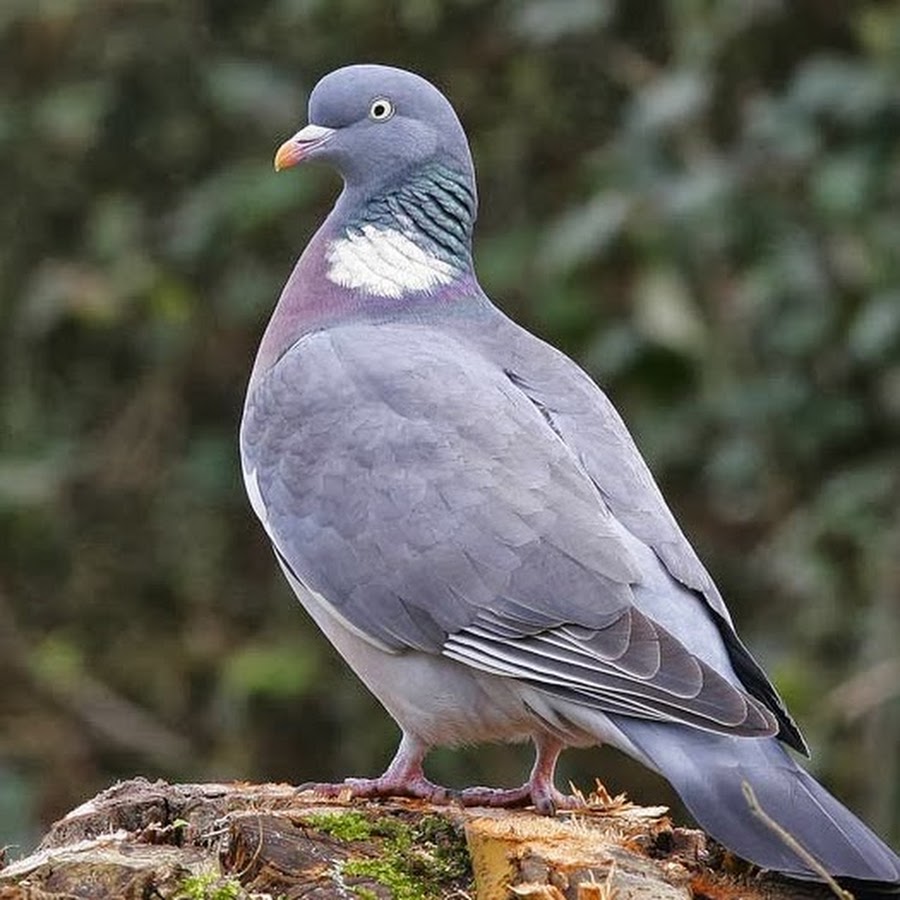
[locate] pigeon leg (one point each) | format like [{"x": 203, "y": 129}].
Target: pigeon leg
[
  {"x": 539, "y": 790},
  {"x": 404, "y": 777}
]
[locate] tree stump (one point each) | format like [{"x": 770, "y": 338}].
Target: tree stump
[{"x": 227, "y": 841}]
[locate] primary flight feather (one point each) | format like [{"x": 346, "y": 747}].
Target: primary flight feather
[{"x": 465, "y": 516}]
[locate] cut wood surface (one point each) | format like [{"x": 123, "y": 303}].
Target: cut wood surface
[{"x": 142, "y": 839}]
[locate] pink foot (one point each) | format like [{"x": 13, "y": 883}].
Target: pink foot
[
  {"x": 405, "y": 778},
  {"x": 545, "y": 798},
  {"x": 385, "y": 786},
  {"x": 539, "y": 790}
]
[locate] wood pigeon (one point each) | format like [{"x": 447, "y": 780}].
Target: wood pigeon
[{"x": 464, "y": 514}]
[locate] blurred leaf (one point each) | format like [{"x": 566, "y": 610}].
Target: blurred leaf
[
  {"x": 546, "y": 21},
  {"x": 71, "y": 115},
  {"x": 209, "y": 466},
  {"x": 613, "y": 351},
  {"x": 275, "y": 670},
  {"x": 668, "y": 103},
  {"x": 850, "y": 92},
  {"x": 254, "y": 90},
  {"x": 422, "y": 17},
  {"x": 701, "y": 192},
  {"x": 58, "y": 659},
  {"x": 878, "y": 25},
  {"x": 776, "y": 132},
  {"x": 61, "y": 289},
  {"x": 500, "y": 258},
  {"x": 239, "y": 198},
  {"x": 115, "y": 226},
  {"x": 584, "y": 232},
  {"x": 842, "y": 185},
  {"x": 665, "y": 311},
  {"x": 29, "y": 482},
  {"x": 875, "y": 332},
  {"x": 735, "y": 472}
]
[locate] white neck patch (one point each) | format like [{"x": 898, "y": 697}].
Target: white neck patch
[{"x": 385, "y": 262}]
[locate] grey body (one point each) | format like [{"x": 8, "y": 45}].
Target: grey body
[
  {"x": 427, "y": 489},
  {"x": 464, "y": 515}
]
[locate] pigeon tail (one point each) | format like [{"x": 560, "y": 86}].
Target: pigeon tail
[{"x": 708, "y": 772}]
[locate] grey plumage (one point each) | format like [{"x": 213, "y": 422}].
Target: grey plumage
[
  {"x": 472, "y": 530},
  {"x": 708, "y": 771},
  {"x": 466, "y": 517}
]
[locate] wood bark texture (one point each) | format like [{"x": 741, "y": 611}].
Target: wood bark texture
[{"x": 142, "y": 839}]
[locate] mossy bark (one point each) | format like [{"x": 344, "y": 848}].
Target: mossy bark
[{"x": 227, "y": 841}]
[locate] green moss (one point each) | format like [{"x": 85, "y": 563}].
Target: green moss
[
  {"x": 365, "y": 893},
  {"x": 345, "y": 826},
  {"x": 448, "y": 858},
  {"x": 402, "y": 885},
  {"x": 208, "y": 886},
  {"x": 418, "y": 859}
]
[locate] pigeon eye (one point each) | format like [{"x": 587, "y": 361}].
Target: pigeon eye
[{"x": 381, "y": 109}]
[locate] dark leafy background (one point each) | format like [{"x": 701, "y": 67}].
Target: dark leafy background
[{"x": 696, "y": 199}]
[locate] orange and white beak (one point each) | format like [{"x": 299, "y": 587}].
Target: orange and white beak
[{"x": 294, "y": 150}]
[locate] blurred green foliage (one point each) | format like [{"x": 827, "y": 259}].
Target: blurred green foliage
[{"x": 696, "y": 198}]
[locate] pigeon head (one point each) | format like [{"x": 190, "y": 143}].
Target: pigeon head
[
  {"x": 376, "y": 125},
  {"x": 402, "y": 228}
]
